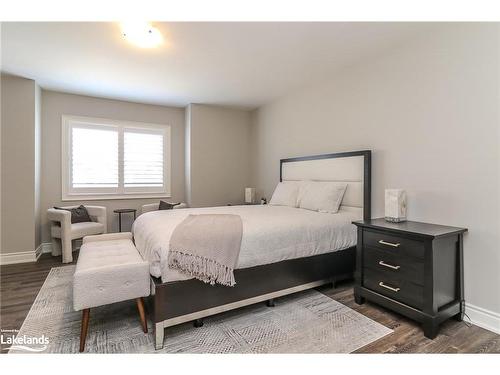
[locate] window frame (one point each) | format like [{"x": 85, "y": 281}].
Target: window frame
[{"x": 69, "y": 193}]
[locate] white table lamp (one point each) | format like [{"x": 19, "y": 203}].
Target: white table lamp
[
  {"x": 249, "y": 195},
  {"x": 395, "y": 205}
]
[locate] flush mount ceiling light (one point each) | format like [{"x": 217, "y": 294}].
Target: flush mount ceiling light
[{"x": 142, "y": 34}]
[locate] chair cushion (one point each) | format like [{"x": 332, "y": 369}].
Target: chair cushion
[
  {"x": 79, "y": 230},
  {"x": 108, "y": 272}
]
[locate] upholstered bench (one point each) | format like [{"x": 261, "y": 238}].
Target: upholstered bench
[{"x": 109, "y": 269}]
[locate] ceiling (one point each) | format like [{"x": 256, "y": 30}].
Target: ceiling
[{"x": 232, "y": 64}]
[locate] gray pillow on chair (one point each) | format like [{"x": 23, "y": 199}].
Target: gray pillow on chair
[
  {"x": 78, "y": 214},
  {"x": 166, "y": 205}
]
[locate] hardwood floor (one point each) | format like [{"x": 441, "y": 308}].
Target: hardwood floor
[
  {"x": 19, "y": 286},
  {"x": 20, "y": 283},
  {"x": 408, "y": 337}
]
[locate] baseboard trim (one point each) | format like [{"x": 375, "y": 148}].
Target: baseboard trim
[
  {"x": 38, "y": 251},
  {"x": 46, "y": 247},
  {"x": 19, "y": 257},
  {"x": 483, "y": 318},
  {"x": 30, "y": 256},
  {"x": 24, "y": 256}
]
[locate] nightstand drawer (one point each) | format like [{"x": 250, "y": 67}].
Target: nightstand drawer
[
  {"x": 395, "y": 288},
  {"x": 394, "y": 265},
  {"x": 394, "y": 243}
]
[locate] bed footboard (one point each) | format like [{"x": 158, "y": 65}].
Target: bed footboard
[{"x": 183, "y": 301}]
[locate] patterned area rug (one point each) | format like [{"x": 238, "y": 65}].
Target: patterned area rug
[{"x": 307, "y": 322}]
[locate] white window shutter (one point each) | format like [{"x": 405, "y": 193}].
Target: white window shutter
[
  {"x": 143, "y": 158},
  {"x": 94, "y": 158},
  {"x": 110, "y": 159}
]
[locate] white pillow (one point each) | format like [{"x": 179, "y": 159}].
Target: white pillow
[
  {"x": 285, "y": 194},
  {"x": 321, "y": 196}
]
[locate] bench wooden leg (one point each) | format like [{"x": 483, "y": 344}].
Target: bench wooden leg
[
  {"x": 142, "y": 314},
  {"x": 84, "y": 328}
]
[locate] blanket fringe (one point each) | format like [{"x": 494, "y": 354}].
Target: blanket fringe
[{"x": 204, "y": 269}]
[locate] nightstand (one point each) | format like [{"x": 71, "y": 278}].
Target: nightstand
[{"x": 412, "y": 268}]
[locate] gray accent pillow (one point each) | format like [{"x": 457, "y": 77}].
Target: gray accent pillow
[
  {"x": 78, "y": 214},
  {"x": 166, "y": 205}
]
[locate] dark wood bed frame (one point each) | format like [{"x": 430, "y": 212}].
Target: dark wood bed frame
[{"x": 178, "y": 302}]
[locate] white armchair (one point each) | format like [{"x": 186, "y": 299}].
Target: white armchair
[{"x": 63, "y": 232}]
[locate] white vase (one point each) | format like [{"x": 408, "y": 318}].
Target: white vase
[{"x": 395, "y": 205}]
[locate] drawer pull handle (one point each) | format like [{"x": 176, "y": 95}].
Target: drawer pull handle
[
  {"x": 388, "y": 287},
  {"x": 389, "y": 243},
  {"x": 382, "y": 263}
]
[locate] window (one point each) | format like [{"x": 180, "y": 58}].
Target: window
[{"x": 106, "y": 159}]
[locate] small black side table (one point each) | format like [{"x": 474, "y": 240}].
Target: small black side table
[{"x": 121, "y": 211}]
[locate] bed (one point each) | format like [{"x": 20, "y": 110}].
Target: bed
[{"x": 283, "y": 250}]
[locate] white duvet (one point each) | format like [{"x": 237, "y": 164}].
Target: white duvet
[{"x": 270, "y": 234}]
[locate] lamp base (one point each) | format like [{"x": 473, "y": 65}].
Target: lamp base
[{"x": 395, "y": 219}]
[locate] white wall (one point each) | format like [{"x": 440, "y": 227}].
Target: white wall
[
  {"x": 218, "y": 155},
  {"x": 19, "y": 165},
  {"x": 38, "y": 165},
  {"x": 187, "y": 156},
  {"x": 429, "y": 110},
  {"x": 56, "y": 104}
]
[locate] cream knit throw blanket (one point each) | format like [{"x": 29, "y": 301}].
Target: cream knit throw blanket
[{"x": 207, "y": 247}]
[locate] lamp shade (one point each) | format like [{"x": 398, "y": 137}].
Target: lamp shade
[{"x": 249, "y": 195}]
